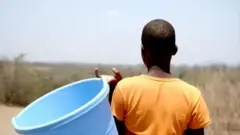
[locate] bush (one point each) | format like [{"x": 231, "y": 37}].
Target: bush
[
  {"x": 20, "y": 85},
  {"x": 22, "y": 82}
]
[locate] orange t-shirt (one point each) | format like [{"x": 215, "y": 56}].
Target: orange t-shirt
[{"x": 159, "y": 106}]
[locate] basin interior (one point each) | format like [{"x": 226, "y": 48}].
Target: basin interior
[{"x": 59, "y": 103}]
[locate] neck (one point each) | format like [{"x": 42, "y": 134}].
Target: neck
[{"x": 158, "y": 71}]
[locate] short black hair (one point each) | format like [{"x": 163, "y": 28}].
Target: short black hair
[{"x": 158, "y": 36}]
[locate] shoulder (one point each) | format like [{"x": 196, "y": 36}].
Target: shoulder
[
  {"x": 127, "y": 85},
  {"x": 129, "y": 81},
  {"x": 188, "y": 87},
  {"x": 192, "y": 93}
]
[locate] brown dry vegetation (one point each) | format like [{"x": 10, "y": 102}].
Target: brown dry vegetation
[{"x": 21, "y": 83}]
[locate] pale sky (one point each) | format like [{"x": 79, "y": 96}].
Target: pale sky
[{"x": 109, "y": 31}]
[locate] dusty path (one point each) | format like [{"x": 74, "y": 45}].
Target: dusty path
[{"x": 6, "y": 114}]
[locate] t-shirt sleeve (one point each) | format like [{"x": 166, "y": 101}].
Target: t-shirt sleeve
[
  {"x": 117, "y": 104},
  {"x": 200, "y": 115}
]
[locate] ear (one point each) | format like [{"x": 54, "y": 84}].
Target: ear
[
  {"x": 175, "y": 50},
  {"x": 145, "y": 57}
]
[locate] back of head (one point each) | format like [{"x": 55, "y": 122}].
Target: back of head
[{"x": 158, "y": 37}]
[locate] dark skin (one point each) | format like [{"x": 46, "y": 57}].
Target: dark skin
[
  {"x": 112, "y": 81},
  {"x": 157, "y": 67}
]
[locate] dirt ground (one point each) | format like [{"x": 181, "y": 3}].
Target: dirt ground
[
  {"x": 226, "y": 127},
  {"x": 6, "y": 114}
]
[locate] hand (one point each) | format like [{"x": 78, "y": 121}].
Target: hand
[
  {"x": 109, "y": 78},
  {"x": 112, "y": 80}
]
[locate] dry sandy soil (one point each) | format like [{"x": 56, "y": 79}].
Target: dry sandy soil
[{"x": 6, "y": 114}]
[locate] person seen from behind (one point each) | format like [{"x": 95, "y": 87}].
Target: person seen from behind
[{"x": 156, "y": 103}]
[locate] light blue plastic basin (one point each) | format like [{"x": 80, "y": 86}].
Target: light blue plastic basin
[{"x": 80, "y": 108}]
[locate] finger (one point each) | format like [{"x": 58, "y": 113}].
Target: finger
[
  {"x": 97, "y": 73},
  {"x": 117, "y": 74}
]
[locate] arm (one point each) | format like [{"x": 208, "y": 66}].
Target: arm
[
  {"x": 116, "y": 97},
  {"x": 120, "y": 126},
  {"x": 200, "y": 118},
  {"x": 112, "y": 86},
  {"x": 194, "y": 131},
  {"x": 112, "y": 80},
  {"x": 118, "y": 110}
]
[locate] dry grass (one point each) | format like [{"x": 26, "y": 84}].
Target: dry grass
[{"x": 21, "y": 83}]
